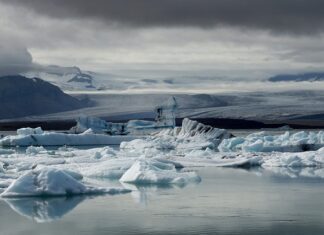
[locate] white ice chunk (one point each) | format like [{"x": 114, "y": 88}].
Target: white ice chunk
[
  {"x": 109, "y": 169},
  {"x": 263, "y": 142},
  {"x": 61, "y": 139},
  {"x": 152, "y": 171},
  {"x": 52, "y": 182},
  {"x": 30, "y": 131},
  {"x": 192, "y": 135},
  {"x": 32, "y": 150}
]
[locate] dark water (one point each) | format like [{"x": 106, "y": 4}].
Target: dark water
[{"x": 227, "y": 201}]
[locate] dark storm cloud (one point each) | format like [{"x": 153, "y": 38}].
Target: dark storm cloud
[
  {"x": 283, "y": 16},
  {"x": 14, "y": 59}
]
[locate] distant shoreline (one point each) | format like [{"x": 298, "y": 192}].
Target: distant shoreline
[{"x": 225, "y": 123}]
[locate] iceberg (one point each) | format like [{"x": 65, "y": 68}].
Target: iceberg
[
  {"x": 60, "y": 139},
  {"x": 30, "y": 131},
  {"x": 165, "y": 113},
  {"x": 165, "y": 119},
  {"x": 98, "y": 126},
  {"x": 108, "y": 169},
  {"x": 191, "y": 135},
  {"x": 53, "y": 182},
  {"x": 263, "y": 142},
  {"x": 151, "y": 171}
]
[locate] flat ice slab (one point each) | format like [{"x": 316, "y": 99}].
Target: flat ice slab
[{"x": 28, "y": 138}]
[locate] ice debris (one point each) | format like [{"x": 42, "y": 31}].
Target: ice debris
[{"x": 263, "y": 142}]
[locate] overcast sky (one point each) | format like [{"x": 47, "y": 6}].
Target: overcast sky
[{"x": 243, "y": 39}]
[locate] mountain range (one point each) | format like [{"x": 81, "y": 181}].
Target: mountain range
[
  {"x": 304, "y": 77},
  {"x": 21, "y": 96}
]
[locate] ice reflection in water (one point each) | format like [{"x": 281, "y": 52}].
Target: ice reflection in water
[
  {"x": 141, "y": 194},
  {"x": 43, "y": 210}
]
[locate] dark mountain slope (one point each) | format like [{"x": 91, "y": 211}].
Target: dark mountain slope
[{"x": 21, "y": 96}]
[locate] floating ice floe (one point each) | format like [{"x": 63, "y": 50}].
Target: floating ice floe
[
  {"x": 53, "y": 182},
  {"x": 150, "y": 171},
  {"x": 262, "y": 142},
  {"x": 191, "y": 135},
  {"x": 245, "y": 159},
  {"x": 36, "y": 137}
]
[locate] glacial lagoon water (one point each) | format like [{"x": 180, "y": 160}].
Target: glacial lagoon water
[{"x": 226, "y": 201}]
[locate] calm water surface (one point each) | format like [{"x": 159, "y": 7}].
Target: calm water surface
[{"x": 227, "y": 201}]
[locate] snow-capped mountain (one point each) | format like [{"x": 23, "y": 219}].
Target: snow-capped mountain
[{"x": 67, "y": 78}]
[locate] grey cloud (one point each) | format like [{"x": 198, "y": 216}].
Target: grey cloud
[
  {"x": 14, "y": 59},
  {"x": 279, "y": 16}
]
